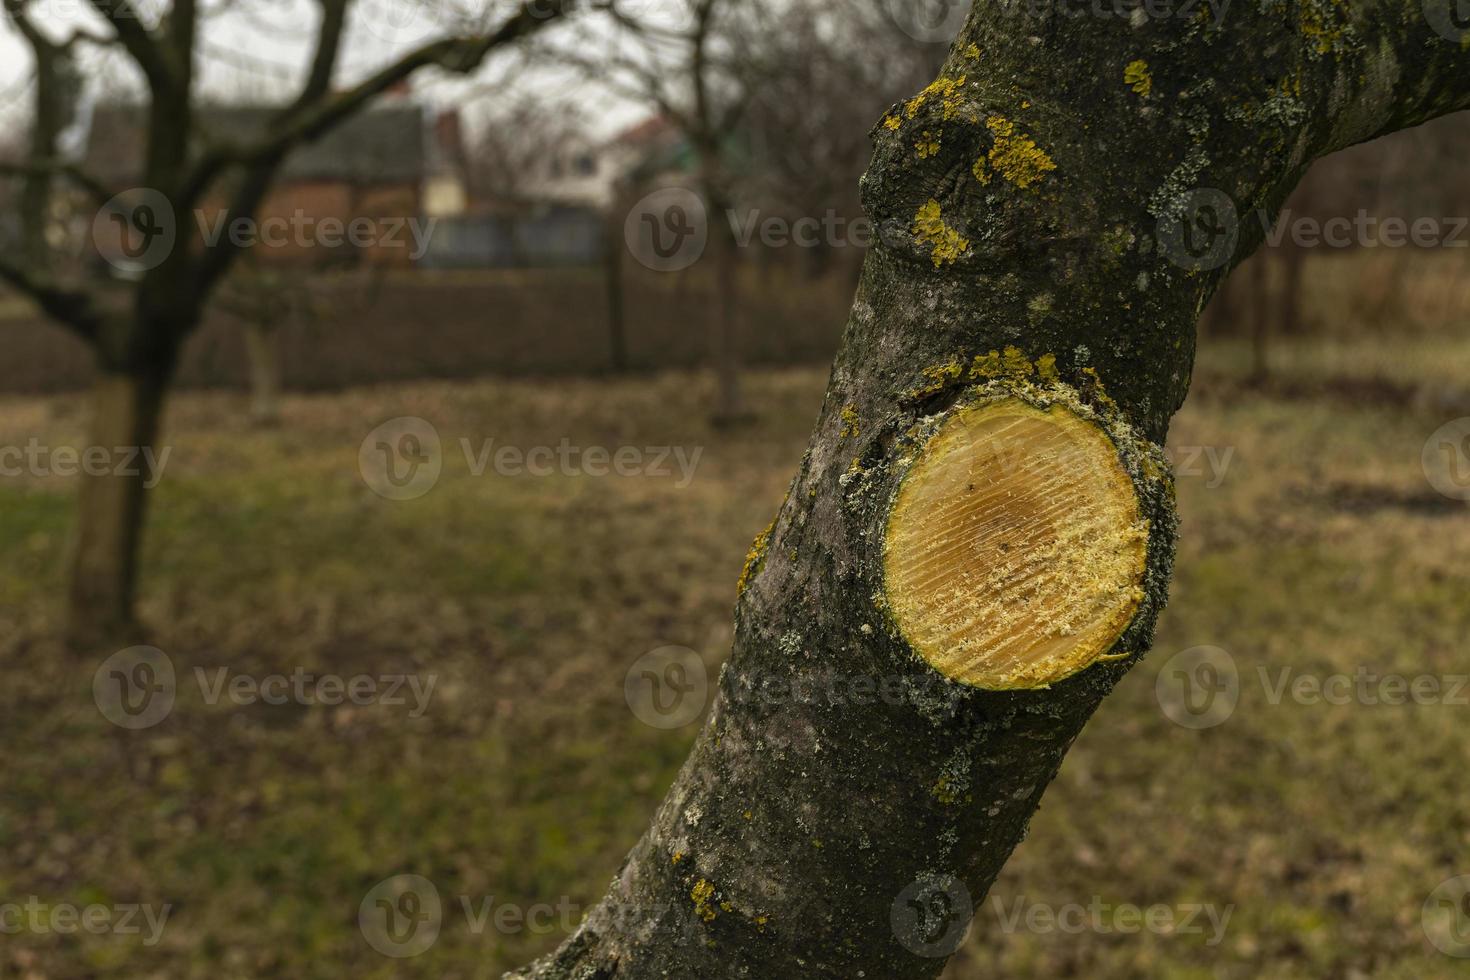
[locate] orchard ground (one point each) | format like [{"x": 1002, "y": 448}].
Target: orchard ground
[{"x": 1315, "y": 544}]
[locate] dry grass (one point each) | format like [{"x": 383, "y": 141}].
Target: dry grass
[{"x": 1321, "y": 548}]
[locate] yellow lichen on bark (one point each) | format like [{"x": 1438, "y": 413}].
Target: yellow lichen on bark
[{"x": 1015, "y": 552}]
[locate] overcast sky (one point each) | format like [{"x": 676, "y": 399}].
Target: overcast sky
[{"x": 258, "y": 50}]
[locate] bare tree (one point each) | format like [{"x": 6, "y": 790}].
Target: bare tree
[
  {"x": 524, "y": 146},
  {"x": 818, "y": 77},
  {"x": 136, "y": 330},
  {"x": 686, "y": 60}
]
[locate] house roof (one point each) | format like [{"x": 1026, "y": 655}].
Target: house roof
[{"x": 384, "y": 144}]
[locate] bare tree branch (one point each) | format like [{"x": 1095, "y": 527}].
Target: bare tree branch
[
  {"x": 97, "y": 190},
  {"x": 74, "y": 308},
  {"x": 315, "y": 113},
  {"x": 459, "y": 55},
  {"x": 145, "y": 48}
]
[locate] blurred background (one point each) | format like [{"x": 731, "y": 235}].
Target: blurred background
[{"x": 520, "y": 434}]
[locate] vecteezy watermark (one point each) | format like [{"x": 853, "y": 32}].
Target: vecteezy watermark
[
  {"x": 402, "y": 459},
  {"x": 930, "y": 21},
  {"x": 1108, "y": 918},
  {"x": 1450, "y": 19},
  {"x": 403, "y": 916},
  {"x": 1364, "y": 230},
  {"x": 418, "y": 20},
  {"x": 1199, "y": 232},
  {"x": 1445, "y": 917},
  {"x": 931, "y": 916},
  {"x": 300, "y": 230},
  {"x": 138, "y": 230},
  {"x": 837, "y": 689},
  {"x": 1446, "y": 459},
  {"x": 831, "y": 230},
  {"x": 668, "y": 230},
  {"x": 35, "y": 459},
  {"x": 667, "y": 688},
  {"x": 1201, "y": 688},
  {"x": 1210, "y": 463},
  {"x": 138, "y": 687},
  {"x": 35, "y": 917},
  {"x": 1136, "y": 12}
]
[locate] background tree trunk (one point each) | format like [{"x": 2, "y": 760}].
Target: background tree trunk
[
  {"x": 263, "y": 351},
  {"x": 617, "y": 320},
  {"x": 1261, "y": 310},
  {"x": 725, "y": 352},
  {"x": 1055, "y": 212},
  {"x": 126, "y": 412}
]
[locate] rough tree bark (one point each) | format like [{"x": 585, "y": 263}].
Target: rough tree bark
[{"x": 1027, "y": 325}]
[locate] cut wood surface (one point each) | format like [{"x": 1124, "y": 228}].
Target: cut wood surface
[{"x": 1015, "y": 551}]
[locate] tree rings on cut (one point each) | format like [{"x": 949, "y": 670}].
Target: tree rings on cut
[{"x": 1015, "y": 552}]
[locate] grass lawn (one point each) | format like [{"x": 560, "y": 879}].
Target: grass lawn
[{"x": 1311, "y": 542}]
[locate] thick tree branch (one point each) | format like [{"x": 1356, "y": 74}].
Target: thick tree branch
[
  {"x": 314, "y": 113},
  {"x": 74, "y": 308},
  {"x": 98, "y": 191},
  {"x": 145, "y": 48},
  {"x": 313, "y": 118}
]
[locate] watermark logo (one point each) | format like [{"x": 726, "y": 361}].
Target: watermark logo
[
  {"x": 927, "y": 691},
  {"x": 401, "y": 459},
  {"x": 1363, "y": 230},
  {"x": 1136, "y": 12},
  {"x": 135, "y": 688},
  {"x": 930, "y": 21},
  {"x": 1202, "y": 232},
  {"x": 1446, "y": 459},
  {"x": 404, "y": 459},
  {"x": 668, "y": 230},
  {"x": 401, "y": 916},
  {"x": 136, "y": 230},
  {"x": 1449, "y": 18},
  {"x": 1199, "y": 688},
  {"x": 1446, "y": 917},
  {"x": 931, "y": 916},
  {"x": 302, "y": 231},
  {"x": 1106, "y": 918},
  {"x": 40, "y": 918},
  {"x": 1209, "y": 463},
  {"x": 667, "y": 688},
  {"x": 405, "y": 915},
  {"x": 39, "y": 460},
  {"x": 662, "y": 462}
]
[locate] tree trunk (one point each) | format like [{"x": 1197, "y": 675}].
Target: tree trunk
[
  {"x": 1261, "y": 310},
  {"x": 126, "y": 411},
  {"x": 725, "y": 353},
  {"x": 263, "y": 352},
  {"x": 1294, "y": 262},
  {"x": 617, "y": 330},
  {"x": 981, "y": 535}
]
